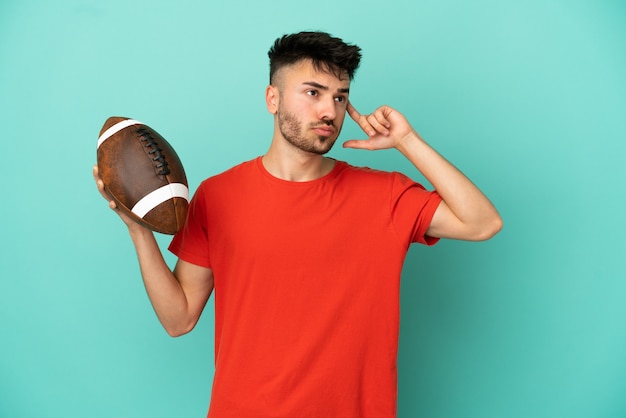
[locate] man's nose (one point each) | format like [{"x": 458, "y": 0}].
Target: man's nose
[{"x": 327, "y": 109}]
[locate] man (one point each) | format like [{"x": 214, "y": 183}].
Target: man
[{"x": 305, "y": 252}]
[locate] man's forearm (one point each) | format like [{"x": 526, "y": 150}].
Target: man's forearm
[{"x": 164, "y": 290}]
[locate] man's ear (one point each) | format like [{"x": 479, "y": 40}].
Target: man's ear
[{"x": 271, "y": 99}]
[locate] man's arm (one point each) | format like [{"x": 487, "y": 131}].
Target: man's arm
[
  {"x": 465, "y": 212},
  {"x": 178, "y": 297}
]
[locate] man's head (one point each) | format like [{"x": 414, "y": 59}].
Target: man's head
[
  {"x": 310, "y": 74},
  {"x": 328, "y": 54}
]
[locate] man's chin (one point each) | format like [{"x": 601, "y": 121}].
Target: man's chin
[{"x": 325, "y": 145}]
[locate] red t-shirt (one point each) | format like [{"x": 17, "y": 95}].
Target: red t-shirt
[{"x": 307, "y": 282}]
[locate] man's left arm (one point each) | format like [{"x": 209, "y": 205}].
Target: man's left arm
[{"x": 465, "y": 213}]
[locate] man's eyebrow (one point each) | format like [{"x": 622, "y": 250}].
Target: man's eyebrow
[{"x": 322, "y": 87}]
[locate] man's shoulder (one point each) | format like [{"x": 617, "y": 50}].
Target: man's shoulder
[
  {"x": 365, "y": 173},
  {"x": 376, "y": 179},
  {"x": 234, "y": 173}
]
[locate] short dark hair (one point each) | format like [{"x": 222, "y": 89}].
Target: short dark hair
[{"x": 326, "y": 52}]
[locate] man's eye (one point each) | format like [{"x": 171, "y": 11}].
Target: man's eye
[
  {"x": 312, "y": 92},
  {"x": 340, "y": 99}
]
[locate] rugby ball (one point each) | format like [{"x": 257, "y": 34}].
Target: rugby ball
[{"x": 143, "y": 174}]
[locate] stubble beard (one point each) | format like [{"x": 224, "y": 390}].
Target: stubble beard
[{"x": 291, "y": 129}]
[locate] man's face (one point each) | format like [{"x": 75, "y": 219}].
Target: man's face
[{"x": 311, "y": 106}]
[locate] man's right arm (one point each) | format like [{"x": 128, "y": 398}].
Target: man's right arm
[{"x": 178, "y": 297}]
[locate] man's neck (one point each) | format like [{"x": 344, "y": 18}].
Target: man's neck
[{"x": 296, "y": 165}]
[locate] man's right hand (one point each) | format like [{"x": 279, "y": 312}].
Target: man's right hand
[{"x": 130, "y": 223}]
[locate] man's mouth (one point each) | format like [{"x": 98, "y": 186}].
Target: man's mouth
[{"x": 324, "y": 130}]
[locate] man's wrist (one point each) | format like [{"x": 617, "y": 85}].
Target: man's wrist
[{"x": 408, "y": 142}]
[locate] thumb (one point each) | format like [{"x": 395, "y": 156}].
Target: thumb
[{"x": 358, "y": 144}]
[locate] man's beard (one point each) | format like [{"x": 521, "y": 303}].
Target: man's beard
[{"x": 291, "y": 129}]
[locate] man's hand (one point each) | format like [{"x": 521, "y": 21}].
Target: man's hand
[
  {"x": 100, "y": 184},
  {"x": 385, "y": 127}
]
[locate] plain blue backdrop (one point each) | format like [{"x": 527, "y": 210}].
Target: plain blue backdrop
[{"x": 527, "y": 98}]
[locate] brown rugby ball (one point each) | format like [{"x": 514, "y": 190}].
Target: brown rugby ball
[{"x": 143, "y": 174}]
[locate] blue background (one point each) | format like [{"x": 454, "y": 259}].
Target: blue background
[{"x": 527, "y": 98}]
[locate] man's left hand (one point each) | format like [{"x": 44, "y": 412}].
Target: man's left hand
[{"x": 385, "y": 128}]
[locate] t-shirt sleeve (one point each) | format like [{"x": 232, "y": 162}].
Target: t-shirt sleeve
[
  {"x": 191, "y": 242},
  {"x": 412, "y": 209}
]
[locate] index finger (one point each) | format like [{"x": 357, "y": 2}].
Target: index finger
[
  {"x": 360, "y": 120},
  {"x": 354, "y": 114}
]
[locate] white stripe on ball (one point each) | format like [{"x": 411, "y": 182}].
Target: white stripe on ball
[
  {"x": 160, "y": 195},
  {"x": 115, "y": 129}
]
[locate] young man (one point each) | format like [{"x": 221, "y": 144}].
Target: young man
[{"x": 305, "y": 252}]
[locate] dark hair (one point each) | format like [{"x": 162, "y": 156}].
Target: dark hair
[{"x": 326, "y": 52}]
